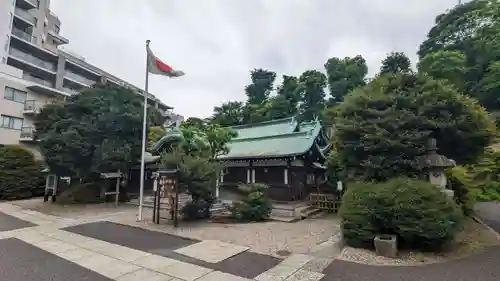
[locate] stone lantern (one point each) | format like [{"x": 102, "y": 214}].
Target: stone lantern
[{"x": 434, "y": 165}]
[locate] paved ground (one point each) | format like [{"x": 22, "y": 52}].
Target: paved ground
[
  {"x": 47, "y": 247},
  {"x": 21, "y": 261},
  {"x": 11, "y": 223}
]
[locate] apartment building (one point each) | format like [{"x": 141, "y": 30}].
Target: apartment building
[{"x": 35, "y": 70}]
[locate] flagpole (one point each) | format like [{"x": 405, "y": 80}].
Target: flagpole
[{"x": 144, "y": 134}]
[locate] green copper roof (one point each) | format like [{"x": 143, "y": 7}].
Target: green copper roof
[{"x": 278, "y": 138}]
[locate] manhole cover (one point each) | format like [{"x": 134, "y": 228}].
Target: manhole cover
[{"x": 283, "y": 253}]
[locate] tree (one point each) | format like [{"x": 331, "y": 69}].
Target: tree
[
  {"x": 395, "y": 62},
  {"x": 229, "y": 114},
  {"x": 97, "y": 131},
  {"x": 344, "y": 75},
  {"x": 155, "y": 133},
  {"x": 20, "y": 173},
  {"x": 447, "y": 65},
  {"x": 472, "y": 29},
  {"x": 313, "y": 104},
  {"x": 194, "y": 122},
  {"x": 261, "y": 87},
  {"x": 383, "y": 127},
  {"x": 290, "y": 90}
]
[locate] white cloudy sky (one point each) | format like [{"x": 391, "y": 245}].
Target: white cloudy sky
[{"x": 217, "y": 42}]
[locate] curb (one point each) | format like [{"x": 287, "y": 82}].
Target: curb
[{"x": 481, "y": 222}]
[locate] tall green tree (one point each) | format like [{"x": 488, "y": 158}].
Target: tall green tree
[
  {"x": 313, "y": 84},
  {"x": 229, "y": 114},
  {"x": 262, "y": 85},
  {"x": 396, "y": 62},
  {"x": 344, "y": 75},
  {"x": 446, "y": 65},
  {"x": 96, "y": 131},
  {"x": 472, "y": 29},
  {"x": 383, "y": 127},
  {"x": 290, "y": 90}
]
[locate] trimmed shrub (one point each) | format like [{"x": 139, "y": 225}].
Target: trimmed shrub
[
  {"x": 417, "y": 212},
  {"x": 255, "y": 207},
  {"x": 20, "y": 173},
  {"x": 460, "y": 181}
]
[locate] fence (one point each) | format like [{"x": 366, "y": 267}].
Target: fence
[{"x": 326, "y": 202}]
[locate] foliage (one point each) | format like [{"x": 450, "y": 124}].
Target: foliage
[
  {"x": 197, "y": 176},
  {"x": 313, "y": 103},
  {"x": 260, "y": 88},
  {"x": 229, "y": 114},
  {"x": 344, "y": 75},
  {"x": 20, "y": 173},
  {"x": 209, "y": 138},
  {"x": 193, "y": 122},
  {"x": 461, "y": 181},
  {"x": 471, "y": 32},
  {"x": 335, "y": 169},
  {"x": 155, "y": 133},
  {"x": 254, "y": 207},
  {"x": 416, "y": 211},
  {"x": 396, "y": 62},
  {"x": 447, "y": 65},
  {"x": 96, "y": 131},
  {"x": 486, "y": 177},
  {"x": 383, "y": 127}
]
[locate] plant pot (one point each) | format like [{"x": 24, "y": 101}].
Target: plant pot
[{"x": 386, "y": 245}]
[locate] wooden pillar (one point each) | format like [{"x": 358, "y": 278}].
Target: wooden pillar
[
  {"x": 285, "y": 175},
  {"x": 253, "y": 175},
  {"x": 249, "y": 174}
]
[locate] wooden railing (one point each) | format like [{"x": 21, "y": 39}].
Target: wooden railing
[{"x": 326, "y": 202}]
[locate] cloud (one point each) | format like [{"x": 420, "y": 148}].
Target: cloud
[{"x": 218, "y": 42}]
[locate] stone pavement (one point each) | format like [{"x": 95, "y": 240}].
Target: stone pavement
[
  {"x": 51, "y": 248},
  {"x": 121, "y": 252}
]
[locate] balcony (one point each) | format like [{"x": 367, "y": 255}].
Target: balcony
[
  {"x": 25, "y": 16},
  {"x": 71, "y": 91},
  {"x": 58, "y": 39},
  {"x": 23, "y": 35},
  {"x": 31, "y": 107},
  {"x": 30, "y": 59},
  {"x": 27, "y": 134},
  {"x": 84, "y": 81},
  {"x": 27, "y": 4},
  {"x": 40, "y": 81}
]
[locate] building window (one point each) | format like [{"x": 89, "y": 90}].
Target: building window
[
  {"x": 15, "y": 95},
  {"x": 57, "y": 28},
  {"x": 10, "y": 122}
]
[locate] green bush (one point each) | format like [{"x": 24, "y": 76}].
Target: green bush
[
  {"x": 383, "y": 127},
  {"x": 196, "y": 210},
  {"x": 417, "y": 212},
  {"x": 255, "y": 207},
  {"x": 460, "y": 180},
  {"x": 20, "y": 173},
  {"x": 486, "y": 175}
]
